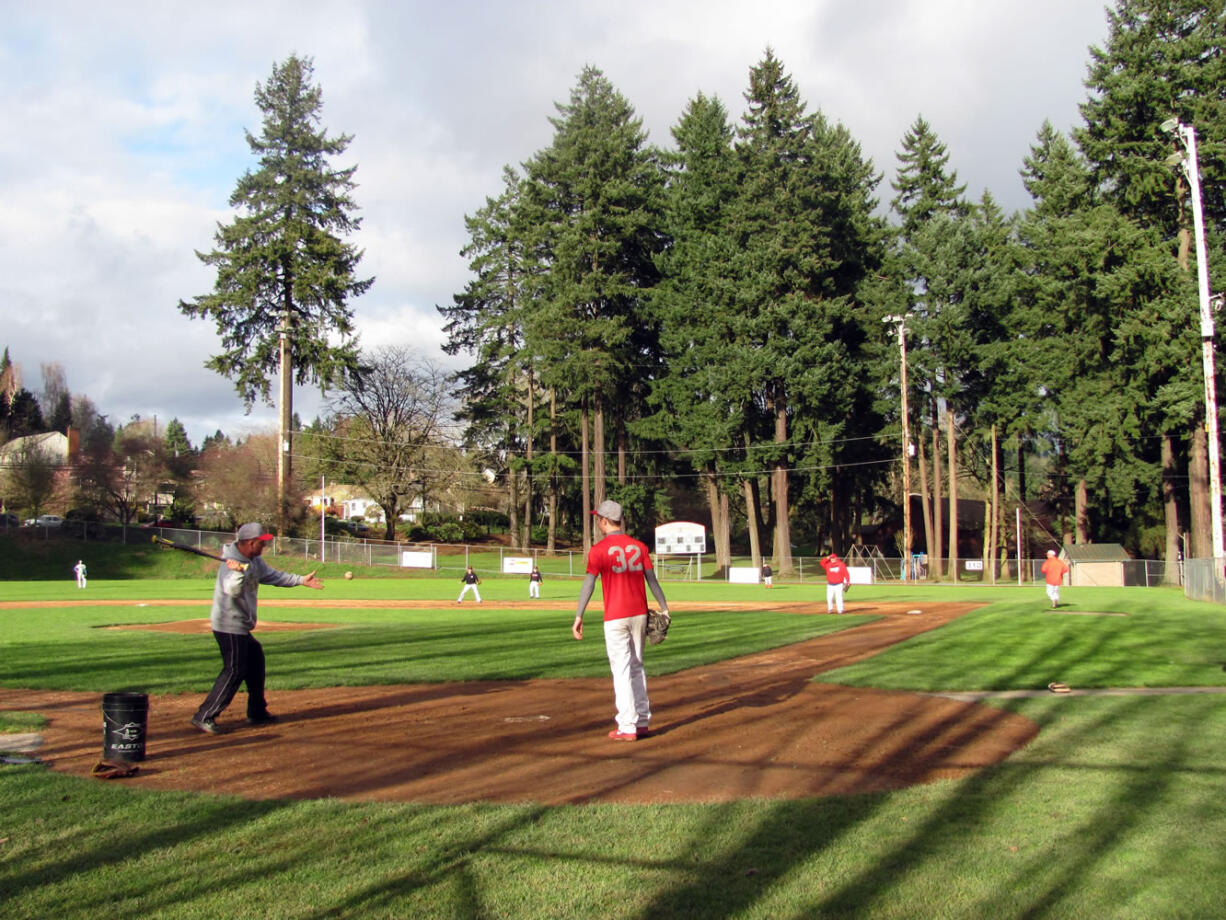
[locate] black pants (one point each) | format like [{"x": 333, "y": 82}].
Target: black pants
[{"x": 242, "y": 660}]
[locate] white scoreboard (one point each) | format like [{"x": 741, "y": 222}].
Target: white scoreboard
[{"x": 681, "y": 538}]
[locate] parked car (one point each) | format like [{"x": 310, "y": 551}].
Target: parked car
[
  {"x": 48, "y": 520},
  {"x": 356, "y": 528},
  {"x": 9, "y": 520}
]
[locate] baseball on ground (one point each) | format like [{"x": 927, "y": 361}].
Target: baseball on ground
[{"x": 349, "y": 576}]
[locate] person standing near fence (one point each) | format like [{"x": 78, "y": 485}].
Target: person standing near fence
[
  {"x": 838, "y": 577},
  {"x": 1054, "y": 569},
  {"x": 534, "y": 583},
  {"x": 470, "y": 582},
  {"x": 767, "y": 574}
]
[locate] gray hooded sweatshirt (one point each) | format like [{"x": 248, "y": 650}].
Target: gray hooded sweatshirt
[{"x": 235, "y": 593}]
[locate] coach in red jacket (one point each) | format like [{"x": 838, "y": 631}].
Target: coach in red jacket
[{"x": 838, "y": 577}]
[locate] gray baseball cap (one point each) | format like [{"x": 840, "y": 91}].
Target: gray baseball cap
[
  {"x": 609, "y": 509},
  {"x": 252, "y": 532}
]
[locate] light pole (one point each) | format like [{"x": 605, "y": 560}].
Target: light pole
[
  {"x": 901, "y": 322},
  {"x": 1187, "y": 137}
]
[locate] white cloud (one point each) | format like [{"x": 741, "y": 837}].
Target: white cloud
[{"x": 124, "y": 138}]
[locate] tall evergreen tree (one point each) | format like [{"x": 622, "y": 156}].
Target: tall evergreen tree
[
  {"x": 925, "y": 185},
  {"x": 928, "y": 205},
  {"x": 486, "y": 320},
  {"x": 595, "y": 196},
  {"x": 61, "y": 414},
  {"x": 699, "y": 406},
  {"x": 25, "y": 417},
  {"x": 805, "y": 239},
  {"x": 176, "y": 440},
  {"x": 1089, "y": 271},
  {"x": 285, "y": 277},
  {"x": 1164, "y": 59}
]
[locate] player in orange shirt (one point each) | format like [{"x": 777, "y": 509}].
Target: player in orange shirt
[{"x": 1054, "y": 569}]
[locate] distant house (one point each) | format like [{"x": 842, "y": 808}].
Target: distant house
[
  {"x": 1096, "y": 564},
  {"x": 348, "y": 502},
  {"x": 61, "y": 448}
]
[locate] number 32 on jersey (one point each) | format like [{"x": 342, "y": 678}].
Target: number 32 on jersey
[{"x": 626, "y": 559}]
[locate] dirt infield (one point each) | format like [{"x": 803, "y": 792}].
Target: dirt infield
[{"x": 757, "y": 726}]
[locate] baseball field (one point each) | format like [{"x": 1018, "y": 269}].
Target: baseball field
[{"x": 444, "y": 760}]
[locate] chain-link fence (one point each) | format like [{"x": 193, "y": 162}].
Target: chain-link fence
[
  {"x": 1197, "y": 575},
  {"x": 1204, "y": 581}
]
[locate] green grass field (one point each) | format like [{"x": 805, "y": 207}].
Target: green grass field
[{"x": 1114, "y": 811}]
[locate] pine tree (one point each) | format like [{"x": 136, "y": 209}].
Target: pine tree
[
  {"x": 176, "y": 440},
  {"x": 1164, "y": 59},
  {"x": 929, "y": 206},
  {"x": 925, "y": 184},
  {"x": 1090, "y": 273},
  {"x": 61, "y": 414},
  {"x": 805, "y": 238},
  {"x": 694, "y": 304},
  {"x": 486, "y": 320},
  {"x": 594, "y": 196},
  {"x": 285, "y": 278},
  {"x": 25, "y": 417}
]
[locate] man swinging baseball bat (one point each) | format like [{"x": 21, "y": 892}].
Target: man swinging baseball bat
[{"x": 233, "y": 617}]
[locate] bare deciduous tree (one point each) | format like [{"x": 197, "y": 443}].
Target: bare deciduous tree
[
  {"x": 384, "y": 420},
  {"x": 238, "y": 483}
]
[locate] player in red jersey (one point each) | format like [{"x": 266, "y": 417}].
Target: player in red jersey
[{"x": 623, "y": 565}]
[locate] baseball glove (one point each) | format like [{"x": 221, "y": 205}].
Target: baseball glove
[{"x": 657, "y": 627}]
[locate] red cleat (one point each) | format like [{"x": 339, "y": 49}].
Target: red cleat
[{"x": 623, "y": 736}]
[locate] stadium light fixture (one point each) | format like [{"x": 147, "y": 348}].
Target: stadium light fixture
[{"x": 1186, "y": 135}]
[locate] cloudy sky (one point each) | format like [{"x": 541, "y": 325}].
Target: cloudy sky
[{"x": 123, "y": 138}]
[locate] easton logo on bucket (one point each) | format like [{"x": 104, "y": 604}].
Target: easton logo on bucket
[{"x": 130, "y": 731}]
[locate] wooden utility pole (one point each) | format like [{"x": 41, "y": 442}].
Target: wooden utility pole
[
  {"x": 285, "y": 429},
  {"x": 953, "y": 495},
  {"x": 901, "y": 322}
]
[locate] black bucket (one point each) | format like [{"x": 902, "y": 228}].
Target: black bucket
[{"x": 125, "y": 716}]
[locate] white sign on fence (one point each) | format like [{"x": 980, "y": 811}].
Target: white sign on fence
[
  {"x": 742, "y": 575},
  {"x": 416, "y": 559},
  {"x": 860, "y": 574},
  {"x": 517, "y": 565},
  {"x": 974, "y": 565},
  {"x": 681, "y": 538}
]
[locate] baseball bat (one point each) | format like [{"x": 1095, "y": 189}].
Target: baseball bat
[{"x": 161, "y": 541}]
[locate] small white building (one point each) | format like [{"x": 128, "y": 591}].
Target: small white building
[
  {"x": 1096, "y": 564},
  {"x": 57, "y": 446}
]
